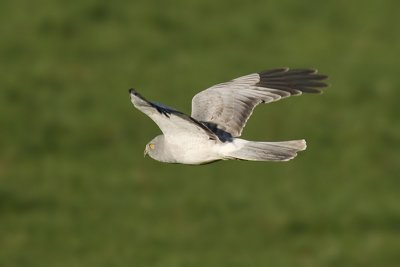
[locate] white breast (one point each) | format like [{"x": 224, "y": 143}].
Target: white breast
[{"x": 191, "y": 150}]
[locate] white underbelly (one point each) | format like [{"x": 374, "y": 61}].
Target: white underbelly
[{"x": 194, "y": 151}]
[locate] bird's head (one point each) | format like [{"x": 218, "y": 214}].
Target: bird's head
[{"x": 155, "y": 148}]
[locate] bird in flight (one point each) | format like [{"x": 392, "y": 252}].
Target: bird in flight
[{"x": 219, "y": 114}]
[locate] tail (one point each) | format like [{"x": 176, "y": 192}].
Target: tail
[{"x": 268, "y": 151}]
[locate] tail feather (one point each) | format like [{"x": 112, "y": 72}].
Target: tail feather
[{"x": 269, "y": 151}]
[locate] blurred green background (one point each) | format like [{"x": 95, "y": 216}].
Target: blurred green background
[{"x": 75, "y": 189}]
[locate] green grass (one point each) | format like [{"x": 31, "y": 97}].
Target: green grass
[{"x": 75, "y": 189}]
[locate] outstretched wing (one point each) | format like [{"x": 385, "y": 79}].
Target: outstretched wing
[
  {"x": 171, "y": 122},
  {"x": 227, "y": 106}
]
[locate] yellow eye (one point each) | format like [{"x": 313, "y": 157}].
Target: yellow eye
[{"x": 151, "y": 146}]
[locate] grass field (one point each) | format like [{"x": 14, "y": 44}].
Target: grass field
[{"x": 75, "y": 189}]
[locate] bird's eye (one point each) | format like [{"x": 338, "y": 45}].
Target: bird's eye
[{"x": 152, "y": 146}]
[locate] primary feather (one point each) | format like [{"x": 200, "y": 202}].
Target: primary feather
[{"x": 228, "y": 106}]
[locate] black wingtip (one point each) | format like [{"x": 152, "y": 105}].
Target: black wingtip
[
  {"x": 132, "y": 91},
  {"x": 293, "y": 80}
]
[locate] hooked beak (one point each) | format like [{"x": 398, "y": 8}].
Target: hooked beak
[{"x": 145, "y": 152}]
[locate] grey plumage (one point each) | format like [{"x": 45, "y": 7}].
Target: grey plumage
[
  {"x": 219, "y": 115},
  {"x": 271, "y": 151},
  {"x": 229, "y": 105}
]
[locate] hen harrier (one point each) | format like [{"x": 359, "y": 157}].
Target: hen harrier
[{"x": 219, "y": 115}]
